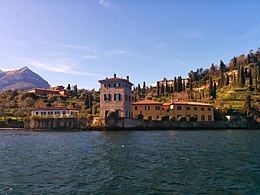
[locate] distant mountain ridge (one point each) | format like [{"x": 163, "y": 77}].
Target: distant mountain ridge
[{"x": 21, "y": 79}]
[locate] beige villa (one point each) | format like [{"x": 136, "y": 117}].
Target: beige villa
[{"x": 154, "y": 109}]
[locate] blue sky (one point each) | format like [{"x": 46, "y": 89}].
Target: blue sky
[{"x": 82, "y": 41}]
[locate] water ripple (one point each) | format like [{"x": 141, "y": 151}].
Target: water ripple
[{"x": 131, "y": 162}]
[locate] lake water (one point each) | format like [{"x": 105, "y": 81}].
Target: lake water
[{"x": 130, "y": 162}]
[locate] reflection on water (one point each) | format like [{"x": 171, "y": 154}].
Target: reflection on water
[{"x": 130, "y": 162}]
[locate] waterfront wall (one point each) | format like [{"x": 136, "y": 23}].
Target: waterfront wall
[
  {"x": 127, "y": 123},
  {"x": 55, "y": 124}
]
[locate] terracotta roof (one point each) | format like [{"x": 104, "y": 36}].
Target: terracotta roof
[
  {"x": 192, "y": 103},
  {"x": 167, "y": 104},
  {"x": 147, "y": 102},
  {"x": 114, "y": 79},
  {"x": 55, "y": 108}
]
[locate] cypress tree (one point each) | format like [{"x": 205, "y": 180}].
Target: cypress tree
[
  {"x": 250, "y": 79},
  {"x": 211, "y": 90},
  {"x": 179, "y": 87},
  {"x": 162, "y": 89},
  {"x": 243, "y": 81},
  {"x": 144, "y": 87},
  {"x": 158, "y": 88},
  {"x": 214, "y": 90},
  {"x": 175, "y": 84},
  {"x": 167, "y": 89},
  {"x": 227, "y": 80},
  {"x": 222, "y": 68}
]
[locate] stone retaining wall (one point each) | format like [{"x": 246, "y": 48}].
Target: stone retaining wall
[
  {"x": 126, "y": 123},
  {"x": 55, "y": 124}
]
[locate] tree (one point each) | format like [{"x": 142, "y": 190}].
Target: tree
[
  {"x": 162, "y": 89},
  {"x": 250, "y": 79},
  {"x": 179, "y": 86},
  {"x": 222, "y": 68},
  {"x": 211, "y": 90},
  {"x": 68, "y": 88},
  {"x": 243, "y": 81},
  {"x": 75, "y": 90},
  {"x": 138, "y": 88},
  {"x": 214, "y": 91},
  {"x": 158, "y": 88},
  {"x": 144, "y": 87},
  {"x": 167, "y": 88},
  {"x": 175, "y": 84},
  {"x": 227, "y": 80}
]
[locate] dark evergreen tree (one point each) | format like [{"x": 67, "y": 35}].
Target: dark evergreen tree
[
  {"x": 158, "y": 88},
  {"x": 144, "y": 87},
  {"x": 179, "y": 87},
  {"x": 214, "y": 91},
  {"x": 162, "y": 89},
  {"x": 75, "y": 90},
  {"x": 68, "y": 87},
  {"x": 138, "y": 88},
  {"x": 222, "y": 68},
  {"x": 211, "y": 90},
  {"x": 175, "y": 84},
  {"x": 227, "y": 80},
  {"x": 243, "y": 81},
  {"x": 167, "y": 88}
]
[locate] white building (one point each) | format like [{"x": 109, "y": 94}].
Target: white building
[{"x": 52, "y": 111}]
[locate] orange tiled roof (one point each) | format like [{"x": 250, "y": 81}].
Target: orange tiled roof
[
  {"x": 147, "y": 102},
  {"x": 114, "y": 79},
  {"x": 192, "y": 103}
]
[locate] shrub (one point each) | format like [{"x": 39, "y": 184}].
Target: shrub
[
  {"x": 165, "y": 118},
  {"x": 193, "y": 118},
  {"x": 140, "y": 116},
  {"x": 182, "y": 118},
  {"x": 111, "y": 114},
  {"x": 172, "y": 118},
  {"x": 149, "y": 118}
]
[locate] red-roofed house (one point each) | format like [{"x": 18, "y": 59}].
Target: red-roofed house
[
  {"x": 201, "y": 111},
  {"x": 115, "y": 96}
]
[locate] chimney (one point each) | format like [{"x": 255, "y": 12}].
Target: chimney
[
  {"x": 127, "y": 78},
  {"x": 114, "y": 75}
]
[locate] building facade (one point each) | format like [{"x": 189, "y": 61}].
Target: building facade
[
  {"x": 58, "y": 91},
  {"x": 115, "y": 96},
  {"x": 147, "y": 108},
  {"x": 55, "y": 111},
  {"x": 200, "y": 111}
]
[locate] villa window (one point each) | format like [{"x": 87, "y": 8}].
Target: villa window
[
  {"x": 116, "y": 84},
  {"x": 195, "y": 108},
  {"x": 209, "y": 118},
  {"x": 147, "y": 108},
  {"x": 157, "y": 107},
  {"x": 117, "y": 97},
  {"x": 196, "y": 116},
  {"x": 188, "y": 115},
  {"x": 107, "y": 97},
  {"x": 209, "y": 109},
  {"x": 178, "y": 107},
  {"x": 64, "y": 112},
  {"x": 202, "y": 109},
  {"x": 107, "y": 85},
  {"x": 188, "y": 108},
  {"x": 135, "y": 107},
  {"x": 203, "y": 117}
]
